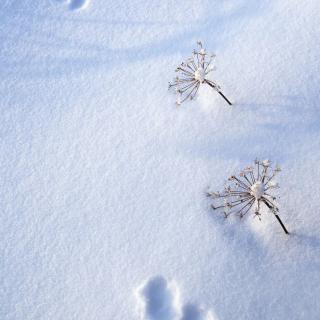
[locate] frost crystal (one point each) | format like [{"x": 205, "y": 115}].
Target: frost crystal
[
  {"x": 251, "y": 188},
  {"x": 192, "y": 74}
]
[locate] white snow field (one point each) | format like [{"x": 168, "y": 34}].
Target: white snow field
[{"x": 103, "y": 178}]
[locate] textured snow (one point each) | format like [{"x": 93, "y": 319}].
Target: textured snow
[{"x": 103, "y": 179}]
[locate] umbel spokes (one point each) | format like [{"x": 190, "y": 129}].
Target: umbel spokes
[
  {"x": 194, "y": 72},
  {"x": 248, "y": 191}
]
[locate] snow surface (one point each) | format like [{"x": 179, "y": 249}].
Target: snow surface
[{"x": 103, "y": 213}]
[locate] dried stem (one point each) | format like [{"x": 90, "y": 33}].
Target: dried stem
[
  {"x": 278, "y": 218},
  {"x": 221, "y": 94}
]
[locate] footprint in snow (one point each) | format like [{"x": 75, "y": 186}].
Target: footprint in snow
[
  {"x": 78, "y": 4},
  {"x": 194, "y": 312},
  {"x": 160, "y": 300},
  {"x": 75, "y": 4}
]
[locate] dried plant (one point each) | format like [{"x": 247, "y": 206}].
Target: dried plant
[
  {"x": 252, "y": 187},
  {"x": 193, "y": 73}
]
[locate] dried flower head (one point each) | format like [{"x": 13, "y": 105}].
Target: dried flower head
[
  {"x": 251, "y": 188},
  {"x": 192, "y": 73}
]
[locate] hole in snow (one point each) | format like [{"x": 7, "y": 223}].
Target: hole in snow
[
  {"x": 78, "y": 4},
  {"x": 158, "y": 299},
  {"x": 193, "y": 312}
]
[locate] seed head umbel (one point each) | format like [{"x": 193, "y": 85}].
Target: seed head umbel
[
  {"x": 193, "y": 73},
  {"x": 247, "y": 192}
]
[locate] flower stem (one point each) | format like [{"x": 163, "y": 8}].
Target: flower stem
[
  {"x": 278, "y": 218},
  {"x": 225, "y": 98},
  {"x": 221, "y": 94},
  {"x": 282, "y": 225}
]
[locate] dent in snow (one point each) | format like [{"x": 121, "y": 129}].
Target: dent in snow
[{"x": 159, "y": 299}]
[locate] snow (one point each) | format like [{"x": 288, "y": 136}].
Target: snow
[
  {"x": 257, "y": 189},
  {"x": 103, "y": 178},
  {"x": 199, "y": 75}
]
